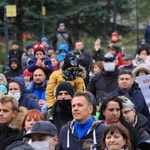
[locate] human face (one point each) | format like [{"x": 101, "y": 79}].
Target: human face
[
  {"x": 14, "y": 87},
  {"x": 125, "y": 81},
  {"x": 96, "y": 69},
  {"x": 15, "y": 46},
  {"x": 27, "y": 78},
  {"x": 63, "y": 95},
  {"x": 52, "y": 141},
  {"x": 141, "y": 73},
  {"x": 143, "y": 53},
  {"x": 127, "y": 63},
  {"x": 81, "y": 110},
  {"x": 79, "y": 45},
  {"x": 39, "y": 77},
  {"x": 13, "y": 65},
  {"x": 29, "y": 122},
  {"x": 39, "y": 55},
  {"x": 54, "y": 62},
  {"x": 44, "y": 44},
  {"x": 6, "y": 113},
  {"x": 129, "y": 115},
  {"x": 114, "y": 141},
  {"x": 62, "y": 28},
  {"x": 112, "y": 112}
]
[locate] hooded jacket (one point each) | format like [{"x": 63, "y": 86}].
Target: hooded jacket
[
  {"x": 24, "y": 100},
  {"x": 63, "y": 47},
  {"x": 141, "y": 127},
  {"x": 68, "y": 139},
  {"x": 9, "y": 132},
  {"x": 13, "y": 73},
  {"x": 56, "y": 78}
]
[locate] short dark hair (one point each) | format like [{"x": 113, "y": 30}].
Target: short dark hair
[
  {"x": 111, "y": 129},
  {"x": 122, "y": 72},
  {"x": 105, "y": 103}
]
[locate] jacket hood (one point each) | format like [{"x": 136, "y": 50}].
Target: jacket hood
[
  {"x": 15, "y": 60},
  {"x": 20, "y": 81},
  {"x": 3, "y": 78},
  {"x": 82, "y": 72},
  {"x": 63, "y": 47},
  {"x": 141, "y": 67},
  {"x": 16, "y": 122}
]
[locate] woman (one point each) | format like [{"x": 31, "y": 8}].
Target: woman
[
  {"x": 116, "y": 137},
  {"x": 30, "y": 118},
  {"x": 111, "y": 113},
  {"x": 17, "y": 89}
]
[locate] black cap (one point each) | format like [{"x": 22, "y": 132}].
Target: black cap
[
  {"x": 109, "y": 57},
  {"x": 42, "y": 127},
  {"x": 144, "y": 145}
]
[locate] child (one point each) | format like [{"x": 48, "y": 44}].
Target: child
[
  {"x": 40, "y": 60},
  {"x": 54, "y": 61},
  {"x": 27, "y": 76}
]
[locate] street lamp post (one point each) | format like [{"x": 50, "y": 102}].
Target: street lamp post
[
  {"x": 43, "y": 23},
  {"x": 137, "y": 24},
  {"x": 6, "y": 38},
  {"x": 115, "y": 25}
]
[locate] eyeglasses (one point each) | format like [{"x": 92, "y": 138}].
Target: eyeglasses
[{"x": 127, "y": 111}]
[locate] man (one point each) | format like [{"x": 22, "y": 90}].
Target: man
[
  {"x": 128, "y": 88},
  {"x": 128, "y": 65},
  {"x": 15, "y": 52},
  {"x": 106, "y": 81},
  {"x": 138, "y": 121},
  {"x": 43, "y": 135},
  {"x": 84, "y": 131},
  {"x": 38, "y": 86},
  {"x": 44, "y": 42},
  {"x": 60, "y": 113},
  {"x": 15, "y": 69},
  {"x": 84, "y": 59},
  {"x": 10, "y": 119},
  {"x": 62, "y": 36},
  {"x": 26, "y": 55}
]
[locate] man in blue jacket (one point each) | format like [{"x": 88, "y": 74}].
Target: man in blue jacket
[
  {"x": 84, "y": 131},
  {"x": 128, "y": 88}
]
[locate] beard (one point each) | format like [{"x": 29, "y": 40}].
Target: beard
[{"x": 40, "y": 83}]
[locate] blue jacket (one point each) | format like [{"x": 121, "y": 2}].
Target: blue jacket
[
  {"x": 32, "y": 65},
  {"x": 38, "y": 91},
  {"x": 24, "y": 100},
  {"x": 63, "y": 47},
  {"x": 68, "y": 139},
  {"x": 137, "y": 98}
]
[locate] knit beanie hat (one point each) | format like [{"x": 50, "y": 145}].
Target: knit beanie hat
[
  {"x": 29, "y": 46},
  {"x": 70, "y": 61},
  {"x": 38, "y": 47},
  {"x": 126, "y": 103},
  {"x": 27, "y": 73},
  {"x": 65, "y": 86},
  {"x": 61, "y": 24},
  {"x": 44, "y": 39}
]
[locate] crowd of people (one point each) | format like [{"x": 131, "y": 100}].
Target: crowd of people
[{"x": 62, "y": 97}]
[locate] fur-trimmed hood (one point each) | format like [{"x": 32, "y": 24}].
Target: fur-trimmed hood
[
  {"x": 82, "y": 72},
  {"x": 141, "y": 67},
  {"x": 16, "y": 122}
]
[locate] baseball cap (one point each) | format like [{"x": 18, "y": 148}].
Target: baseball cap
[
  {"x": 127, "y": 57},
  {"x": 42, "y": 127}
]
